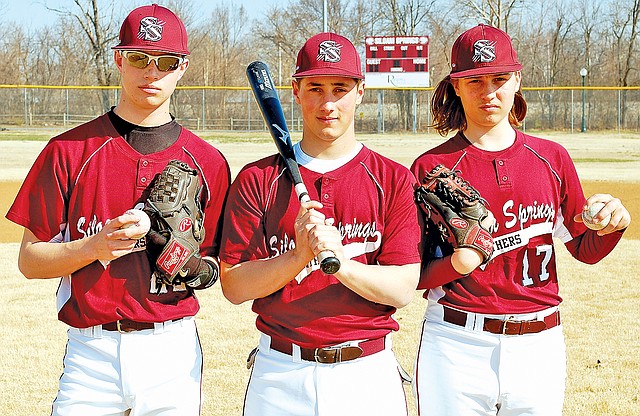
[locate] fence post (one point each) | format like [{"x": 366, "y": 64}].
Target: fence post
[
  {"x": 26, "y": 109},
  {"x": 619, "y": 111},
  {"x": 428, "y": 112},
  {"x": 291, "y": 100},
  {"x": 524, "y": 122},
  {"x": 66, "y": 108},
  {"x": 572, "y": 111},
  {"x": 415, "y": 112},
  {"x": 203, "y": 109},
  {"x": 380, "y": 111}
]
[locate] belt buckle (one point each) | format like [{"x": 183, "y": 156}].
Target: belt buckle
[
  {"x": 505, "y": 323},
  {"x": 343, "y": 352},
  {"x": 120, "y": 329},
  {"x": 336, "y": 359}
]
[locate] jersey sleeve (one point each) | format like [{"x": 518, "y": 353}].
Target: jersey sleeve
[
  {"x": 218, "y": 179},
  {"x": 583, "y": 244},
  {"x": 40, "y": 205},
  {"x": 572, "y": 198},
  {"x": 242, "y": 232},
  {"x": 401, "y": 238},
  {"x": 590, "y": 248}
]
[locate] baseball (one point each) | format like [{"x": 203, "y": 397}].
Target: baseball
[
  {"x": 144, "y": 223},
  {"x": 592, "y": 211}
]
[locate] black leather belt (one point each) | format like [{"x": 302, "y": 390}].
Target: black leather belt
[
  {"x": 507, "y": 326},
  {"x": 331, "y": 355}
]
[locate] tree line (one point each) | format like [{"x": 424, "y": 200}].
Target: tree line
[{"x": 554, "y": 39}]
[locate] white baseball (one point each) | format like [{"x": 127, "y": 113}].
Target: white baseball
[
  {"x": 592, "y": 211},
  {"x": 144, "y": 223}
]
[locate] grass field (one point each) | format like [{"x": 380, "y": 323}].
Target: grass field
[{"x": 601, "y": 310}]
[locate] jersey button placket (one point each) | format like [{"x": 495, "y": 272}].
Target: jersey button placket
[
  {"x": 144, "y": 175},
  {"x": 327, "y": 192},
  {"x": 502, "y": 173}
]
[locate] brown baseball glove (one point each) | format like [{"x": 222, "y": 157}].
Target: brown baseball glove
[
  {"x": 454, "y": 211},
  {"x": 176, "y": 217}
]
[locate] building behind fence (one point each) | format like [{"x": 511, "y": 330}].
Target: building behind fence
[{"x": 382, "y": 110}]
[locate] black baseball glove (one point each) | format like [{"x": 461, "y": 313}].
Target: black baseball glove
[
  {"x": 454, "y": 211},
  {"x": 177, "y": 229}
]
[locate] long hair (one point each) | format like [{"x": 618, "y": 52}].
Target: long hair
[{"x": 448, "y": 113}]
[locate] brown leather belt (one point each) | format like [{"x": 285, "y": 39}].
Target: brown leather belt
[
  {"x": 505, "y": 327},
  {"x": 127, "y": 325},
  {"x": 331, "y": 355}
]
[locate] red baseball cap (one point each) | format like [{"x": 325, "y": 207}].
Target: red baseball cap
[
  {"x": 153, "y": 28},
  {"x": 483, "y": 50},
  {"x": 328, "y": 54}
]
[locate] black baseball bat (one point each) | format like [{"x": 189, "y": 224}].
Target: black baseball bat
[{"x": 264, "y": 91}]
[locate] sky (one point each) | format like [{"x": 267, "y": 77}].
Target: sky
[{"x": 34, "y": 14}]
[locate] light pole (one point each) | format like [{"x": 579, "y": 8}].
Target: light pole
[
  {"x": 583, "y": 74},
  {"x": 325, "y": 18}
]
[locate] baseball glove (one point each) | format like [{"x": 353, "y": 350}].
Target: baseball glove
[
  {"x": 176, "y": 217},
  {"x": 454, "y": 211}
]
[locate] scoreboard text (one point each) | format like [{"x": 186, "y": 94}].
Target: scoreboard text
[{"x": 397, "y": 61}]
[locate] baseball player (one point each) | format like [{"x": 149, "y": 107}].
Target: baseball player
[
  {"x": 132, "y": 343},
  {"x": 325, "y": 344},
  {"x": 492, "y": 341}
]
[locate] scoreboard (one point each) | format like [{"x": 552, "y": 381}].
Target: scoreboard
[{"x": 397, "y": 61}]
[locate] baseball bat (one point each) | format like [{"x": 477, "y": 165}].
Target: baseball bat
[{"x": 265, "y": 93}]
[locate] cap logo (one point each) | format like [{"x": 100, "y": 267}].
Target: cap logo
[
  {"x": 329, "y": 51},
  {"x": 484, "y": 51},
  {"x": 150, "y": 29}
]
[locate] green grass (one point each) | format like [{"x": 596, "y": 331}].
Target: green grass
[
  {"x": 235, "y": 137},
  {"x": 214, "y": 136},
  {"x": 24, "y": 136}
]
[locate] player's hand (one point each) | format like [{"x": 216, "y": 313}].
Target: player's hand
[
  {"x": 319, "y": 232},
  {"x": 619, "y": 216},
  {"x": 113, "y": 241},
  {"x": 465, "y": 260},
  {"x": 325, "y": 236},
  {"x": 308, "y": 217}
]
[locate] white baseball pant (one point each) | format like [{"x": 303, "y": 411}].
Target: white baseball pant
[
  {"x": 155, "y": 371},
  {"x": 466, "y": 371},
  {"x": 282, "y": 384}
]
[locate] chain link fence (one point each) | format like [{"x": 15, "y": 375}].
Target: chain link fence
[{"x": 382, "y": 110}]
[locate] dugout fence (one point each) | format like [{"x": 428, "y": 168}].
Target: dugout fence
[{"x": 199, "y": 108}]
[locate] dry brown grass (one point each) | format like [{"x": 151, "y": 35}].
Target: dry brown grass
[
  {"x": 600, "y": 314},
  {"x": 601, "y": 310}
]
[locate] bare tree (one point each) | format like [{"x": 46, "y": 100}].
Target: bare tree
[
  {"x": 624, "y": 27},
  {"x": 589, "y": 14},
  {"x": 15, "y": 50},
  {"x": 404, "y": 18},
  {"x": 443, "y": 27},
  {"x": 286, "y": 28},
  {"x": 553, "y": 39},
  {"x": 101, "y": 32},
  {"x": 219, "y": 47},
  {"x": 496, "y": 13},
  {"x": 634, "y": 16}
]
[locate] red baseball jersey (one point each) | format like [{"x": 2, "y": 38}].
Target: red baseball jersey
[
  {"x": 532, "y": 189},
  {"x": 371, "y": 199},
  {"x": 89, "y": 175}
]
